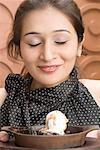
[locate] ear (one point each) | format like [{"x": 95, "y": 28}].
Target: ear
[{"x": 79, "y": 49}]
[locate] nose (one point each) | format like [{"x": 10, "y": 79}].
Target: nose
[{"x": 47, "y": 52}]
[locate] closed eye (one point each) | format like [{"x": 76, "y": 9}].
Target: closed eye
[
  {"x": 61, "y": 42},
  {"x": 34, "y": 45}
]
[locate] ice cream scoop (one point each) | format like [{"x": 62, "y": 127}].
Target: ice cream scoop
[{"x": 56, "y": 123}]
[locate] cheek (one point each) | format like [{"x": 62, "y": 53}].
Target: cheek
[
  {"x": 27, "y": 55},
  {"x": 70, "y": 50},
  {"x": 70, "y": 53}
]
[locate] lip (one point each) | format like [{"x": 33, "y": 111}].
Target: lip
[{"x": 49, "y": 69}]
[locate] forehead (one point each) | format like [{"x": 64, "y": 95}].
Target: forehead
[{"x": 46, "y": 20}]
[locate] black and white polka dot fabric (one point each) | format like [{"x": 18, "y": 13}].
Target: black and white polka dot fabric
[{"x": 23, "y": 107}]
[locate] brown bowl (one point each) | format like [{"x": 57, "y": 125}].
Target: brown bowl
[{"x": 74, "y": 137}]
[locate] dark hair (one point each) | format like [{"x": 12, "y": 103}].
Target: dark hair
[{"x": 68, "y": 7}]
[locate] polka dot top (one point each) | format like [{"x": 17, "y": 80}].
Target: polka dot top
[{"x": 23, "y": 107}]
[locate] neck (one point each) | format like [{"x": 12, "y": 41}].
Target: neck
[{"x": 37, "y": 85}]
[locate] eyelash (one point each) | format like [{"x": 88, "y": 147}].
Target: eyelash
[{"x": 60, "y": 43}]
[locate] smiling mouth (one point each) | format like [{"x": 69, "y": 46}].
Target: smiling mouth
[{"x": 49, "y": 69}]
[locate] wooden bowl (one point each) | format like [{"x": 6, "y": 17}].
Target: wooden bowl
[{"x": 74, "y": 137}]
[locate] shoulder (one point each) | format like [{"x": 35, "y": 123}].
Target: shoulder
[
  {"x": 13, "y": 81},
  {"x": 94, "y": 88},
  {"x": 13, "y": 77}
]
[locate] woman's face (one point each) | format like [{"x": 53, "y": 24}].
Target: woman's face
[{"x": 49, "y": 46}]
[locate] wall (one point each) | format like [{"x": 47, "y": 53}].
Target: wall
[
  {"x": 89, "y": 63},
  {"x": 7, "y": 11}
]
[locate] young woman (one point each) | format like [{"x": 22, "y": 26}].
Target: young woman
[{"x": 47, "y": 35}]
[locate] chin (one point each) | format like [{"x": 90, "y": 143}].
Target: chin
[{"x": 51, "y": 83}]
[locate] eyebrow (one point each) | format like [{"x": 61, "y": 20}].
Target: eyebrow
[
  {"x": 61, "y": 30},
  {"x": 31, "y": 33}
]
